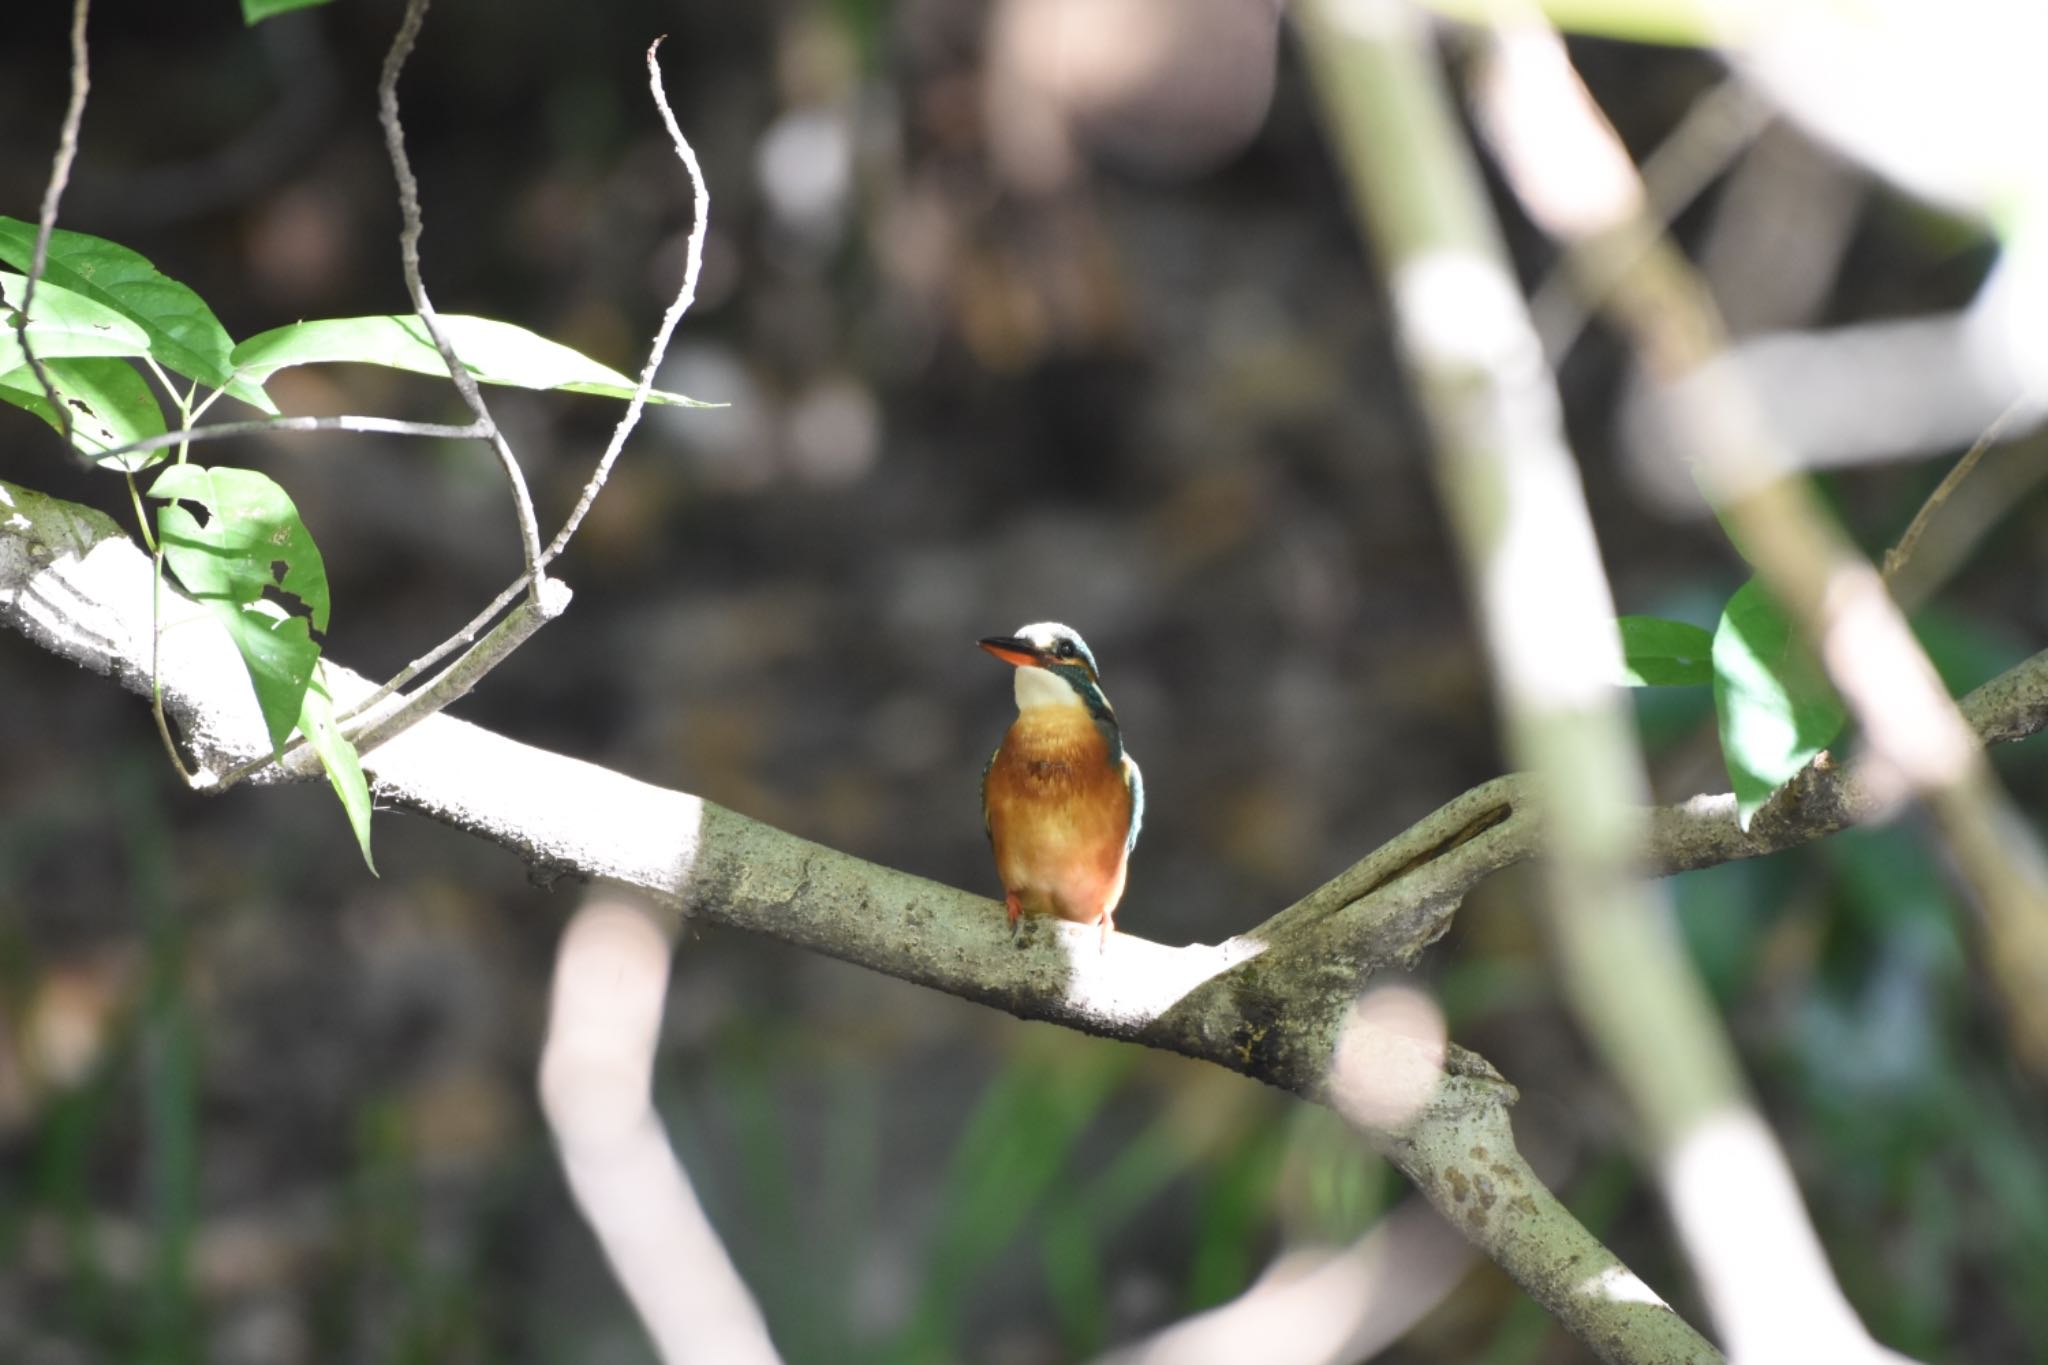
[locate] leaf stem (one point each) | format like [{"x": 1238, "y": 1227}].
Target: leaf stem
[
  {"x": 156, "y": 682},
  {"x": 141, "y": 518}
]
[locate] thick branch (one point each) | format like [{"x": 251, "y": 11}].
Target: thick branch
[
  {"x": 1266, "y": 1003},
  {"x": 1270, "y": 1005}
]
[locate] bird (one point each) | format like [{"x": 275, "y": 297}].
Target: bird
[{"x": 1061, "y": 798}]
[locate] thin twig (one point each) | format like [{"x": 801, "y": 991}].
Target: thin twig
[
  {"x": 465, "y": 636},
  {"x": 156, "y": 643},
  {"x": 380, "y": 426},
  {"x": 450, "y": 685},
  {"x": 685, "y": 297},
  {"x": 53, "y": 194},
  {"x": 409, "y": 254},
  {"x": 693, "y": 265},
  {"x": 353, "y": 718},
  {"x": 1895, "y": 558}
]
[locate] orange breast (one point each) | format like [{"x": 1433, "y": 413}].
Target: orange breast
[{"x": 1058, "y": 813}]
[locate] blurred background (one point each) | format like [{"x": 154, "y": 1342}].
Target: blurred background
[{"x": 1024, "y": 309}]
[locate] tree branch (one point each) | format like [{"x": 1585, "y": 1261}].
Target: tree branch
[
  {"x": 1271, "y": 1006},
  {"x": 1268, "y": 1003},
  {"x": 693, "y": 267},
  {"x": 1832, "y": 593}
]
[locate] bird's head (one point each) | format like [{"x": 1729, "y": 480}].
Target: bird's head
[{"x": 1054, "y": 668}]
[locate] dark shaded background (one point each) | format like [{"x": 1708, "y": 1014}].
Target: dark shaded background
[{"x": 258, "y": 1106}]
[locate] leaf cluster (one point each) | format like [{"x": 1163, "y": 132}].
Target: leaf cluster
[{"x": 78, "y": 353}]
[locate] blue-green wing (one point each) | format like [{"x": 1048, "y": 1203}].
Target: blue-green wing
[
  {"x": 984, "y": 794},
  {"x": 1136, "y": 782}
]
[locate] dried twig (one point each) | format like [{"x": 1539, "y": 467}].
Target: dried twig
[
  {"x": 454, "y": 682},
  {"x": 1897, "y": 557},
  {"x": 377, "y": 426},
  {"x": 372, "y": 730},
  {"x": 693, "y": 266},
  {"x": 685, "y": 296},
  {"x": 409, "y": 253},
  {"x": 53, "y": 194},
  {"x": 370, "y": 721}
]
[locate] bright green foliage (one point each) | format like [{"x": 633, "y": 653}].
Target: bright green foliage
[
  {"x": 108, "y": 400},
  {"x": 232, "y": 561},
  {"x": 98, "y": 305},
  {"x": 1660, "y": 653},
  {"x": 1775, "y": 705},
  {"x": 255, "y": 12},
  {"x": 344, "y": 766},
  {"x": 64, "y": 324},
  {"x": 495, "y": 352},
  {"x": 183, "y": 334}
]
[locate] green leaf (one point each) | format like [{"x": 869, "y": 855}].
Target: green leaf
[
  {"x": 256, "y": 527},
  {"x": 344, "y": 766},
  {"x": 64, "y": 324},
  {"x": 1660, "y": 653},
  {"x": 232, "y": 561},
  {"x": 495, "y": 352},
  {"x": 184, "y": 335},
  {"x": 1776, "y": 707},
  {"x": 255, "y": 12},
  {"x": 275, "y": 647},
  {"x": 110, "y": 404}
]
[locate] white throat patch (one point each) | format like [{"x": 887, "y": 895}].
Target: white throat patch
[{"x": 1043, "y": 687}]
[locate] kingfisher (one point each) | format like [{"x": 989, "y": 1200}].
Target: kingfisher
[{"x": 1061, "y": 799}]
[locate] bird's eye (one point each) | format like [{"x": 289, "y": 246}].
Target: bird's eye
[{"x": 1065, "y": 649}]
